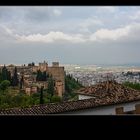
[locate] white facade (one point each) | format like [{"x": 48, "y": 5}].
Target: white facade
[{"x": 82, "y": 97}]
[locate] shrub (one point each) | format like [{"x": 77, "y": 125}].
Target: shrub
[{"x": 55, "y": 99}]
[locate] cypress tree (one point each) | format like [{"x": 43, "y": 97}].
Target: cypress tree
[
  {"x": 41, "y": 95},
  {"x": 50, "y": 89},
  {"x": 0, "y": 76},
  {"x": 44, "y": 74},
  {"x": 21, "y": 82},
  {"x": 9, "y": 76},
  {"x": 39, "y": 76},
  {"x": 4, "y": 73},
  {"x": 15, "y": 80}
]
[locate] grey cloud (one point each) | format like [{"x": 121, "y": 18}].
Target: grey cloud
[
  {"x": 26, "y": 14},
  {"x": 6, "y": 34},
  {"x": 37, "y": 14}
]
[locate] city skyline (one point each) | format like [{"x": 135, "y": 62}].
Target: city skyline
[{"x": 70, "y": 34}]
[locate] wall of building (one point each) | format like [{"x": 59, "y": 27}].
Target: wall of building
[
  {"x": 82, "y": 97},
  {"x": 30, "y": 90},
  {"x": 120, "y": 110},
  {"x": 59, "y": 88}
]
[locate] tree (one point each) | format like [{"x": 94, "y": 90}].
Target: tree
[
  {"x": 31, "y": 64},
  {"x": 21, "y": 82},
  {"x": 44, "y": 76},
  {"x": 50, "y": 89},
  {"x": 68, "y": 87},
  {"x": 55, "y": 99},
  {"x": 9, "y": 76},
  {"x": 41, "y": 95},
  {"x": 4, "y": 85},
  {"x": 71, "y": 83},
  {"x": 15, "y": 80},
  {"x": 4, "y": 73},
  {"x": 0, "y": 76},
  {"x": 39, "y": 76}
]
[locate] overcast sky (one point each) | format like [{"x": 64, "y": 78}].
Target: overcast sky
[{"x": 70, "y": 35}]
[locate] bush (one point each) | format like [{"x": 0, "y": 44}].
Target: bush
[
  {"x": 46, "y": 100},
  {"x": 132, "y": 85},
  {"x": 4, "y": 85},
  {"x": 4, "y": 106},
  {"x": 55, "y": 99}
]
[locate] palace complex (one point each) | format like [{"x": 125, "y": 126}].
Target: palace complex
[{"x": 29, "y": 74}]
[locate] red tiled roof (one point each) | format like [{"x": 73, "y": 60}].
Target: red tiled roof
[{"x": 106, "y": 88}]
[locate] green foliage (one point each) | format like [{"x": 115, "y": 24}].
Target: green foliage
[
  {"x": 34, "y": 73},
  {"x": 4, "y": 105},
  {"x": 21, "y": 82},
  {"x": 41, "y": 96},
  {"x": 0, "y": 77},
  {"x": 23, "y": 100},
  {"x": 50, "y": 89},
  {"x": 70, "y": 96},
  {"x": 4, "y": 85},
  {"x": 73, "y": 97},
  {"x": 19, "y": 100},
  {"x": 71, "y": 84},
  {"x": 39, "y": 76},
  {"x": 42, "y": 76},
  {"x": 31, "y": 64},
  {"x": 15, "y": 80},
  {"x": 55, "y": 99},
  {"x": 5, "y": 74},
  {"x": 46, "y": 100},
  {"x": 132, "y": 85},
  {"x": 12, "y": 98},
  {"x": 9, "y": 76}
]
